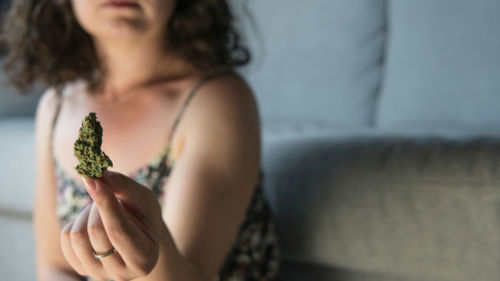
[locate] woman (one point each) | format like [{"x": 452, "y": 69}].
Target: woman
[{"x": 180, "y": 126}]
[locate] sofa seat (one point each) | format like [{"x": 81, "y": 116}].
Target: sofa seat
[{"x": 379, "y": 205}]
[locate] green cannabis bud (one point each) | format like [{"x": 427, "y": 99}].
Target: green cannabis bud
[{"x": 87, "y": 149}]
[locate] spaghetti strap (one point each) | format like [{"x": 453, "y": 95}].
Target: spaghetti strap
[{"x": 193, "y": 91}]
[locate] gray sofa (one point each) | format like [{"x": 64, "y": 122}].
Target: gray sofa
[{"x": 381, "y": 140}]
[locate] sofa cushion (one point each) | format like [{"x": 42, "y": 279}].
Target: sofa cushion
[
  {"x": 443, "y": 65},
  {"x": 17, "y": 164},
  {"x": 317, "y": 60},
  {"x": 408, "y": 208},
  {"x": 17, "y": 257}
]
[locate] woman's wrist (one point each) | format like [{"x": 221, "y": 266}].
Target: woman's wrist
[{"x": 172, "y": 265}]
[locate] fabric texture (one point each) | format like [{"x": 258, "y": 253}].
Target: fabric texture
[
  {"x": 443, "y": 65},
  {"x": 17, "y": 160},
  {"x": 323, "y": 67},
  {"x": 302, "y": 271},
  {"x": 17, "y": 258},
  {"x": 255, "y": 253},
  {"x": 402, "y": 208}
]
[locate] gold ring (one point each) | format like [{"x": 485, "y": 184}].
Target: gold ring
[{"x": 103, "y": 255}]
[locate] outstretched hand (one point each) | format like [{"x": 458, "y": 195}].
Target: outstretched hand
[{"x": 117, "y": 236}]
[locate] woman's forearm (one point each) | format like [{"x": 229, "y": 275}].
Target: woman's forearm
[{"x": 172, "y": 265}]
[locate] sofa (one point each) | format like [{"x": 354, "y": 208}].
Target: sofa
[{"x": 381, "y": 140}]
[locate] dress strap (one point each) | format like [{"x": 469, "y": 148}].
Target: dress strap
[{"x": 193, "y": 91}]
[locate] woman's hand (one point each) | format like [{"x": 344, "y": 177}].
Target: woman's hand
[{"x": 126, "y": 217}]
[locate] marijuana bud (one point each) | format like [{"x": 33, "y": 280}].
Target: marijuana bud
[{"x": 87, "y": 149}]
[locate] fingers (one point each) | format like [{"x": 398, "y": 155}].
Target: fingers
[
  {"x": 67, "y": 249},
  {"x": 111, "y": 211},
  {"x": 136, "y": 199},
  {"x": 126, "y": 189},
  {"x": 82, "y": 248},
  {"x": 78, "y": 239},
  {"x": 127, "y": 228},
  {"x": 126, "y": 237},
  {"x": 100, "y": 242}
]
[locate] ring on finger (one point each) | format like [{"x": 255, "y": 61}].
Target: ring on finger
[{"x": 104, "y": 254}]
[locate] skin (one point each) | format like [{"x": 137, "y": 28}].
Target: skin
[{"x": 216, "y": 151}]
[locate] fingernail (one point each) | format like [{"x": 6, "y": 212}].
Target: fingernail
[
  {"x": 67, "y": 227},
  {"x": 90, "y": 184},
  {"x": 108, "y": 176}
]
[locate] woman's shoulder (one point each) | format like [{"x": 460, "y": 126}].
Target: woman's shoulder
[
  {"x": 73, "y": 89},
  {"x": 44, "y": 119},
  {"x": 223, "y": 117},
  {"x": 225, "y": 101},
  {"x": 224, "y": 93},
  {"x": 49, "y": 105},
  {"x": 46, "y": 108}
]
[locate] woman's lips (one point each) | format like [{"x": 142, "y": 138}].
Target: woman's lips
[{"x": 121, "y": 4}]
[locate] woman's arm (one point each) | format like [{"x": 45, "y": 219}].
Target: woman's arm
[
  {"x": 211, "y": 185},
  {"x": 50, "y": 262}
]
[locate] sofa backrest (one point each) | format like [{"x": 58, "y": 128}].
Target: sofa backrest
[
  {"x": 442, "y": 66},
  {"x": 317, "y": 60},
  {"x": 12, "y": 103}
]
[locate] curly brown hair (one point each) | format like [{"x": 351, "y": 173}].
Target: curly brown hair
[{"x": 46, "y": 43}]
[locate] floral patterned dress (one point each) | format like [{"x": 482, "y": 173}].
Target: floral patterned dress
[{"x": 254, "y": 255}]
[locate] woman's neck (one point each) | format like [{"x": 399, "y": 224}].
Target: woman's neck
[{"x": 136, "y": 66}]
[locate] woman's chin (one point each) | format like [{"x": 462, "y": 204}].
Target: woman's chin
[{"x": 120, "y": 29}]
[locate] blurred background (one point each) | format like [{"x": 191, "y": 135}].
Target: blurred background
[{"x": 381, "y": 139}]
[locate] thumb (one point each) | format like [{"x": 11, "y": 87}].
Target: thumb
[
  {"x": 111, "y": 210},
  {"x": 127, "y": 189},
  {"x": 122, "y": 233}
]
